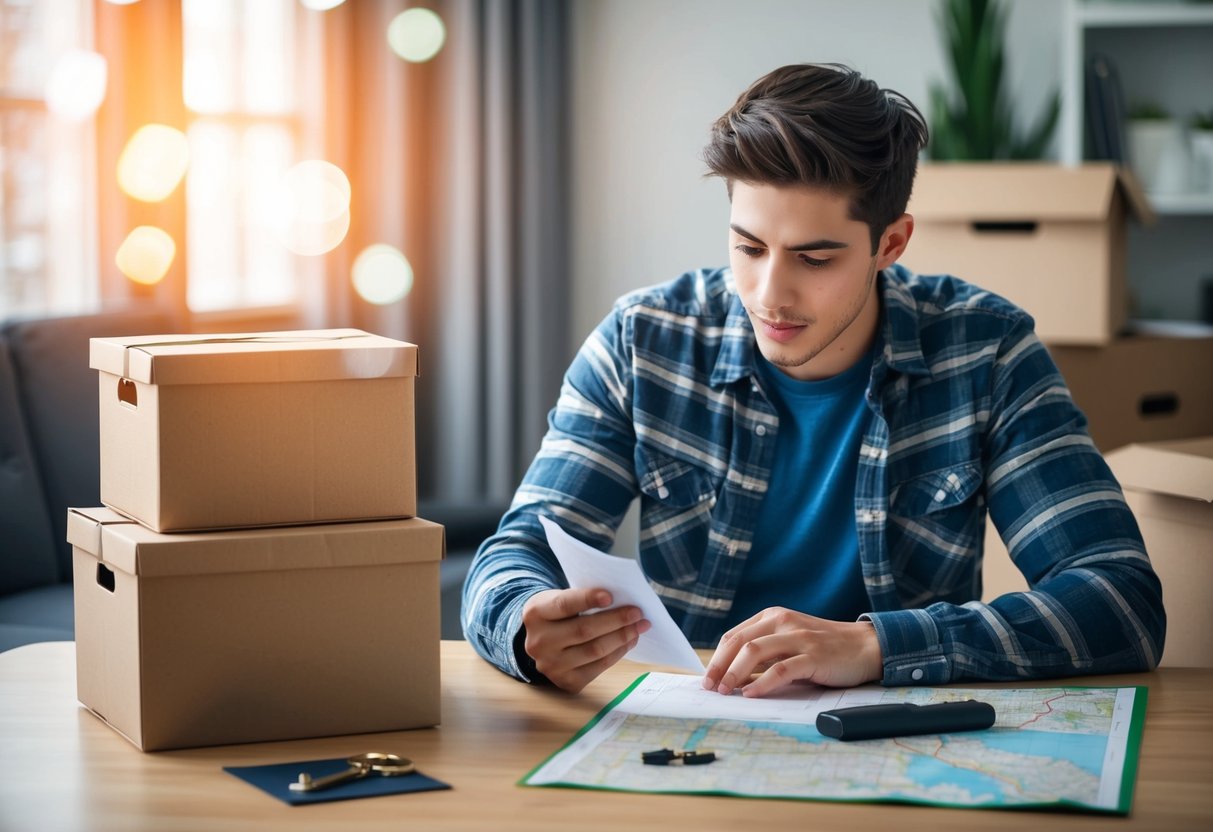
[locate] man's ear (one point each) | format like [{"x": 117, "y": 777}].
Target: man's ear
[{"x": 894, "y": 241}]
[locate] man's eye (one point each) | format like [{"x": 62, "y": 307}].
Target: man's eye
[
  {"x": 748, "y": 251},
  {"x": 813, "y": 261}
]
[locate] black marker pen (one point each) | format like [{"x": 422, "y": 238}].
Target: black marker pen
[{"x": 869, "y": 722}]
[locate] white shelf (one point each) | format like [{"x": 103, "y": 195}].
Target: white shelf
[
  {"x": 1181, "y": 204},
  {"x": 1104, "y": 14}
]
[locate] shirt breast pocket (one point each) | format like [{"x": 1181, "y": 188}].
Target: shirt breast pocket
[
  {"x": 937, "y": 492},
  {"x": 677, "y": 498},
  {"x": 671, "y": 481}
]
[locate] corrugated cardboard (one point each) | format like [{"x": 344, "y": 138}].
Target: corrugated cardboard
[
  {"x": 1048, "y": 238},
  {"x": 254, "y": 635},
  {"x": 1141, "y": 388},
  {"x": 257, "y": 429},
  {"x": 1169, "y": 487}
]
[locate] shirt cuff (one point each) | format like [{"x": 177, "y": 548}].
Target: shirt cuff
[
  {"x": 910, "y": 647},
  {"x": 519, "y": 664}
]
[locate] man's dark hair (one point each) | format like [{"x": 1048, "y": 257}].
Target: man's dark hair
[{"x": 827, "y": 126}]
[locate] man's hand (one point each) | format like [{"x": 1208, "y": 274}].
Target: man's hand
[
  {"x": 573, "y": 649},
  {"x": 788, "y": 646}
]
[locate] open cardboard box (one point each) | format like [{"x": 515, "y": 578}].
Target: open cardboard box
[
  {"x": 1050, "y": 239},
  {"x": 254, "y": 635},
  {"x": 256, "y": 429},
  {"x": 1141, "y": 388},
  {"x": 1169, "y": 487}
]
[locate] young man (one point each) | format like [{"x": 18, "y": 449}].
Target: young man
[{"x": 815, "y": 436}]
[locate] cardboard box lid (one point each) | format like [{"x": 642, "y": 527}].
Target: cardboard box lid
[
  {"x": 1010, "y": 192},
  {"x": 1179, "y": 468},
  {"x": 123, "y": 544},
  {"x": 304, "y": 355}
]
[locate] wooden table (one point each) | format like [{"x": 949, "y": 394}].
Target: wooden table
[{"x": 61, "y": 768}]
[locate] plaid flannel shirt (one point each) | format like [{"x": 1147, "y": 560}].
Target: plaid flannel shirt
[{"x": 968, "y": 414}]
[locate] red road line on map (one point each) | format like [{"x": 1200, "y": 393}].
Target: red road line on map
[{"x": 1048, "y": 703}]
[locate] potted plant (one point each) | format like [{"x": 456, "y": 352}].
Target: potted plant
[
  {"x": 1157, "y": 149},
  {"x": 973, "y": 119},
  {"x": 1201, "y": 141}
]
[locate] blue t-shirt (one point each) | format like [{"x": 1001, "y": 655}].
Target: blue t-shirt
[{"x": 805, "y": 553}]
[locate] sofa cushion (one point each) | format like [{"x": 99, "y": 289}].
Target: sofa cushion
[
  {"x": 58, "y": 393},
  {"x": 42, "y": 614},
  {"x": 27, "y": 549}
]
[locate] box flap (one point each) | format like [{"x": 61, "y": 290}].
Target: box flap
[
  {"x": 1181, "y": 468},
  {"x": 1022, "y": 192},
  {"x": 304, "y": 355},
  {"x": 135, "y": 549},
  {"x": 84, "y": 526}
]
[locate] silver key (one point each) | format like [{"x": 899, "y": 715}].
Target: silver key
[{"x": 388, "y": 765}]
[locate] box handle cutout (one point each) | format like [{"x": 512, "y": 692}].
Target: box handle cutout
[
  {"x": 105, "y": 578},
  {"x": 1159, "y": 404},
  {"x": 1023, "y": 227},
  {"x": 127, "y": 392}
]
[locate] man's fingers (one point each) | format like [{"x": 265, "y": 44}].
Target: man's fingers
[
  {"x": 582, "y": 676},
  {"x": 574, "y": 667},
  {"x": 567, "y": 603},
  {"x": 781, "y": 674},
  {"x": 730, "y": 645},
  {"x": 760, "y": 651}
]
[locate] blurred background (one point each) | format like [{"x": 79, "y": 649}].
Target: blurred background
[{"x": 484, "y": 177}]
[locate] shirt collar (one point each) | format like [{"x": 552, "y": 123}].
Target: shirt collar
[{"x": 899, "y": 326}]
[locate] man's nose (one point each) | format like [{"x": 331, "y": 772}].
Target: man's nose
[{"x": 775, "y": 290}]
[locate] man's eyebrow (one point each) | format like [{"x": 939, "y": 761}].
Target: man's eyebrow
[{"x": 815, "y": 245}]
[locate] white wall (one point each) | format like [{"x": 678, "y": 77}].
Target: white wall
[{"x": 650, "y": 76}]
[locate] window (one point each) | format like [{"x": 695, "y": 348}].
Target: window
[
  {"x": 243, "y": 79},
  {"x": 244, "y": 86},
  {"x": 47, "y": 225}
]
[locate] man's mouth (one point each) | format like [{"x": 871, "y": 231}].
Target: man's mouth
[{"x": 780, "y": 330}]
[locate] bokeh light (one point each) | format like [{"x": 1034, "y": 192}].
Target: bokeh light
[
  {"x": 321, "y": 5},
  {"x": 146, "y": 254},
  {"x": 122, "y": 2},
  {"x": 312, "y": 207},
  {"x": 75, "y": 87},
  {"x": 153, "y": 162},
  {"x": 382, "y": 274},
  {"x": 416, "y": 34}
]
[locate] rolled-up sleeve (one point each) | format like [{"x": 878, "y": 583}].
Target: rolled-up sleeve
[{"x": 582, "y": 477}]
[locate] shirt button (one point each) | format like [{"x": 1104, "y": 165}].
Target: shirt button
[
  {"x": 917, "y": 674},
  {"x": 663, "y": 492},
  {"x": 761, "y": 430}
]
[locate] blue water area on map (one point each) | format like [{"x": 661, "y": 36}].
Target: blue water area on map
[{"x": 1083, "y": 750}]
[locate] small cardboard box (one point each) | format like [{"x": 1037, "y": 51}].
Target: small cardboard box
[
  {"x": 1050, "y": 239},
  {"x": 1169, "y": 487},
  {"x": 254, "y": 635},
  {"x": 1141, "y": 388},
  {"x": 260, "y": 429}
]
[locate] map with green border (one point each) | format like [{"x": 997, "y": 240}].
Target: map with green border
[{"x": 1063, "y": 746}]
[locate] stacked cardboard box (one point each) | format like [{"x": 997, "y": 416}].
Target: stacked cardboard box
[
  {"x": 259, "y": 560},
  {"x": 1052, "y": 240}
]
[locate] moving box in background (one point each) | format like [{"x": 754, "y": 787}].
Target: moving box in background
[
  {"x": 256, "y": 429},
  {"x": 1048, "y": 238},
  {"x": 255, "y": 635},
  {"x": 1169, "y": 487},
  {"x": 1141, "y": 388}
]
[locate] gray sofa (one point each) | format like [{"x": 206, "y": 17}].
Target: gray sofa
[{"x": 49, "y": 462}]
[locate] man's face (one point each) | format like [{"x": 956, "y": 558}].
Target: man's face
[{"x": 806, "y": 275}]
